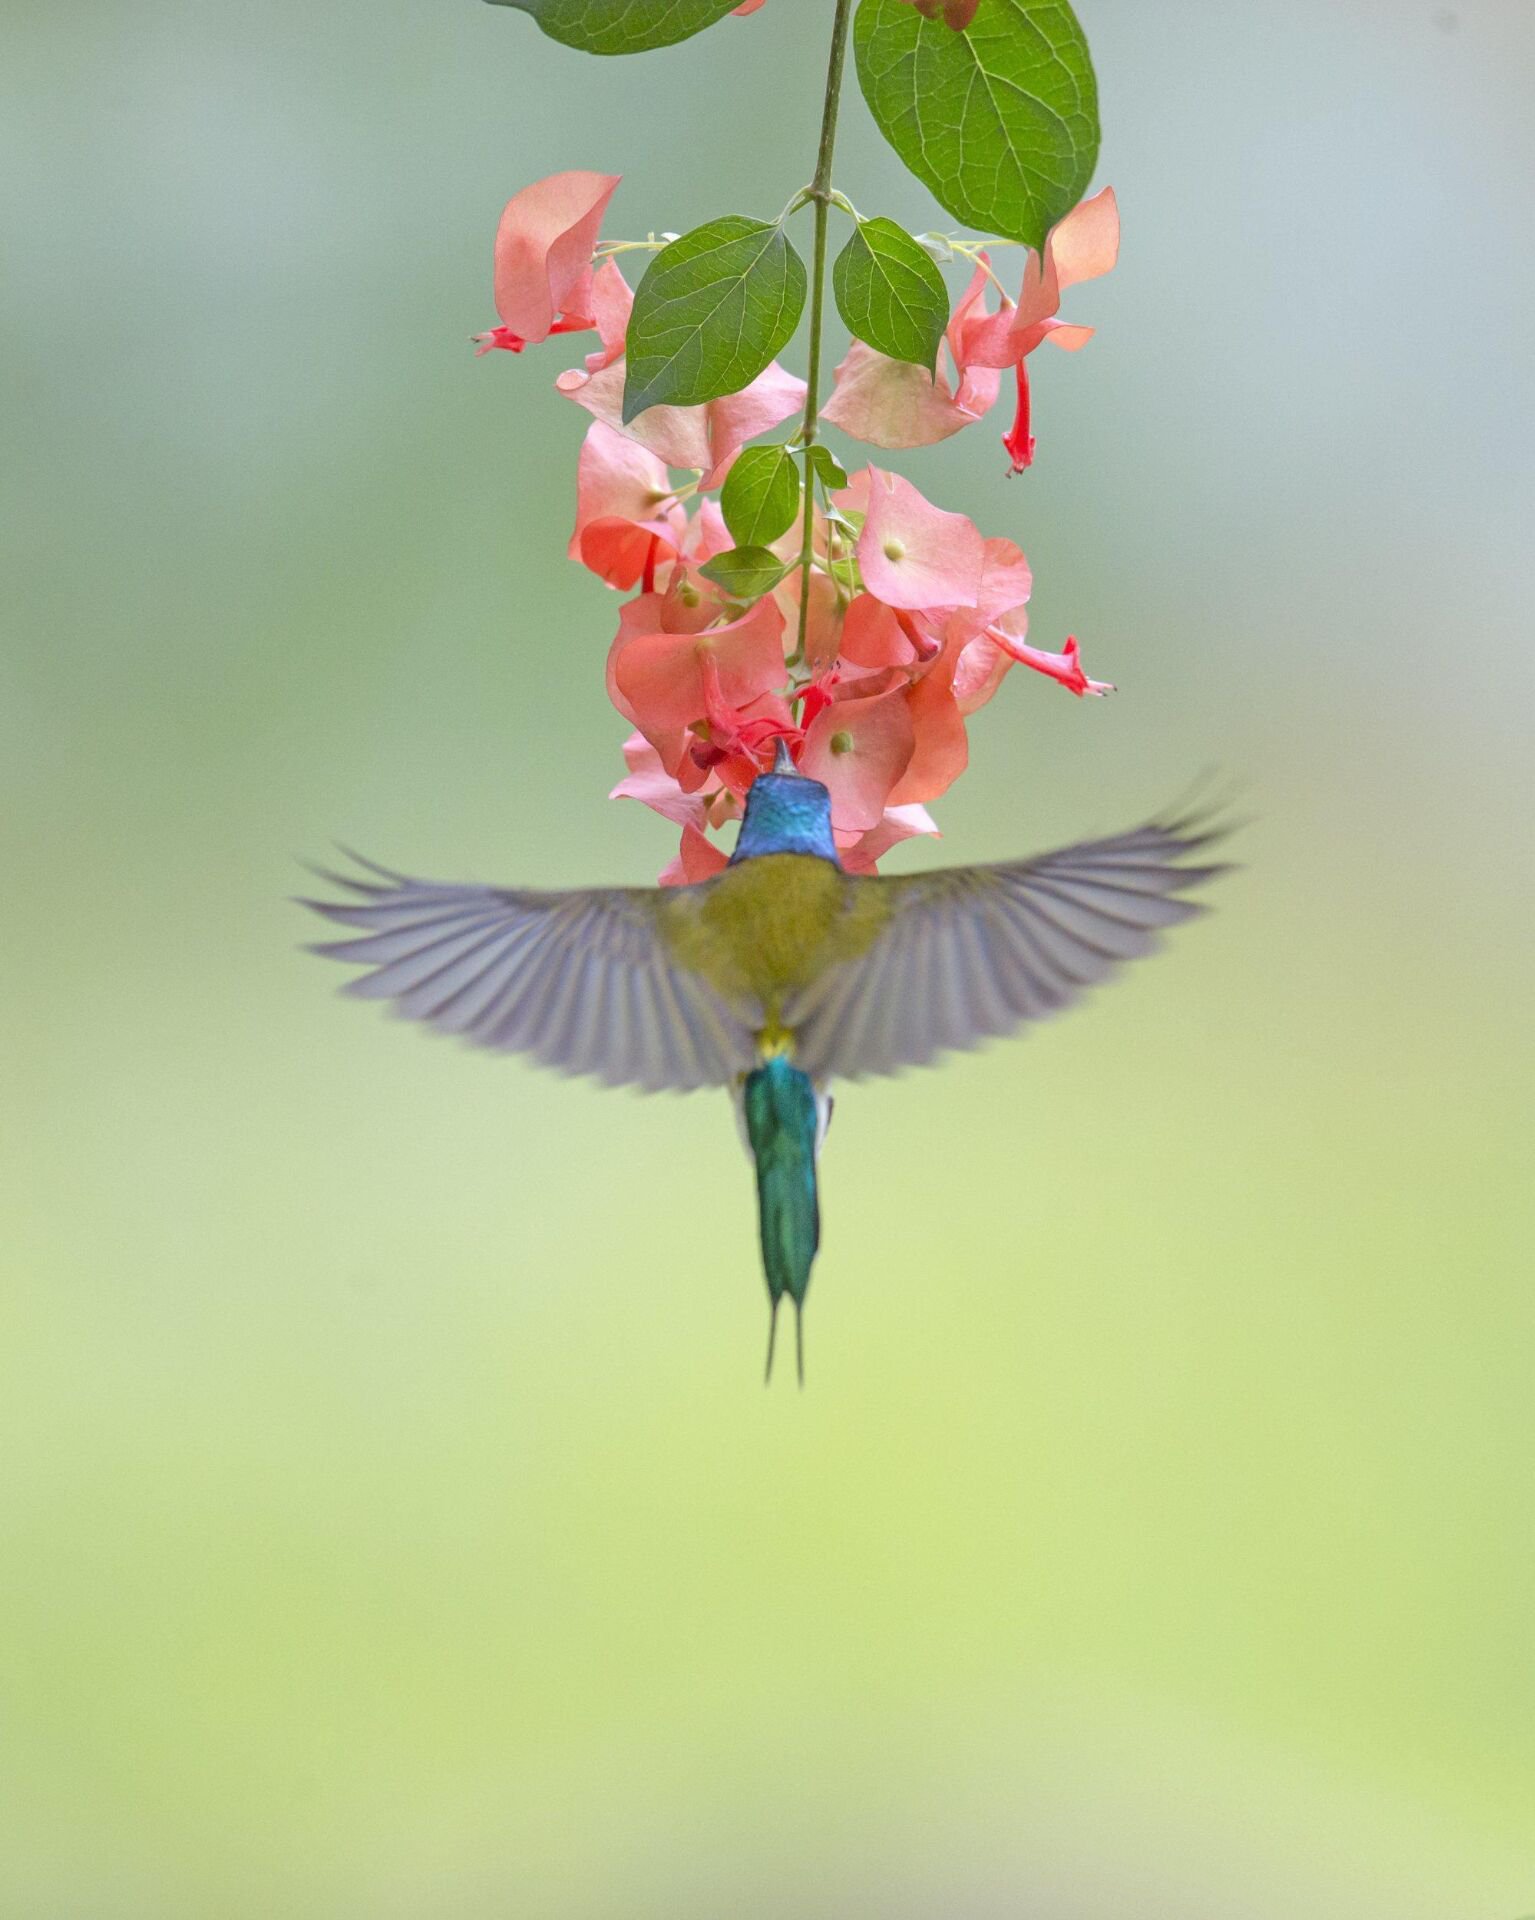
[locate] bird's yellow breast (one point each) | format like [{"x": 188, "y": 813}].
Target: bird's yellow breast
[{"x": 772, "y": 925}]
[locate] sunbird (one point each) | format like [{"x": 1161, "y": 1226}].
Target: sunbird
[{"x": 776, "y": 977}]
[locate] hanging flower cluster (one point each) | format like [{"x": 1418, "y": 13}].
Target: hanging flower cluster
[{"x": 774, "y": 596}]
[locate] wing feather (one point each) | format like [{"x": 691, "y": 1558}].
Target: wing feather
[
  {"x": 971, "y": 952},
  {"x": 582, "y": 981}
]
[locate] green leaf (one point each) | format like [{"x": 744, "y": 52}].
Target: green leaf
[
  {"x": 890, "y": 294},
  {"x": 823, "y": 463},
  {"x": 621, "y": 26},
  {"x": 760, "y": 497},
  {"x": 711, "y": 312},
  {"x": 1000, "y": 121},
  {"x": 746, "y": 573}
]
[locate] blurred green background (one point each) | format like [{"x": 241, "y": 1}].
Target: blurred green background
[{"x": 393, "y": 1521}]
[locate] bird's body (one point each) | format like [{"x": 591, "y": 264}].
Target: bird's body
[
  {"x": 775, "y": 977},
  {"x": 769, "y": 927},
  {"x": 784, "y": 1125}
]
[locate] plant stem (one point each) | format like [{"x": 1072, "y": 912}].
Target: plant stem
[{"x": 819, "y": 192}]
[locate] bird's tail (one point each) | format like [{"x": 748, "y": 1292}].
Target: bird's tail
[{"x": 783, "y": 1123}]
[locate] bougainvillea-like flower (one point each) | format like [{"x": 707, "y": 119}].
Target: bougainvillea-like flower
[
  {"x": 1083, "y": 246},
  {"x": 912, "y": 554},
  {"x": 628, "y": 519},
  {"x": 858, "y": 748},
  {"x": 911, "y": 620},
  {"x": 890, "y": 403},
  {"x": 706, "y": 700},
  {"x": 704, "y": 438},
  {"x": 893, "y": 404},
  {"x": 544, "y": 245},
  {"x": 861, "y": 853}
]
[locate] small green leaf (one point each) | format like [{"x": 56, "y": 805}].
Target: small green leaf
[
  {"x": 746, "y": 573},
  {"x": 711, "y": 312},
  {"x": 1000, "y": 121},
  {"x": 760, "y": 497},
  {"x": 822, "y": 462},
  {"x": 890, "y": 294},
  {"x": 621, "y": 26}
]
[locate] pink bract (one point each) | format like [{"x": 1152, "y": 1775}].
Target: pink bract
[
  {"x": 915, "y": 555},
  {"x": 543, "y": 259}
]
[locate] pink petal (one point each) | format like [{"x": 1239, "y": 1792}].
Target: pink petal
[
  {"x": 612, "y": 303},
  {"x": 941, "y": 747},
  {"x": 859, "y": 749},
  {"x": 697, "y": 859},
  {"x": 544, "y": 250},
  {"x": 622, "y": 554},
  {"x": 823, "y": 623},
  {"x": 648, "y": 782},
  {"x": 677, "y": 435},
  {"x": 983, "y": 665},
  {"x": 1085, "y": 245},
  {"x": 1007, "y": 579},
  {"x": 705, "y": 438},
  {"x": 970, "y": 313},
  {"x": 913, "y": 554},
  {"x": 1067, "y": 336},
  {"x": 1081, "y": 247},
  {"x": 890, "y": 403},
  {"x": 739, "y": 417},
  {"x": 707, "y": 534},
  {"x": 872, "y": 635},
  {"x": 623, "y": 504},
  {"x": 860, "y": 852},
  {"x": 659, "y": 680},
  {"x": 690, "y": 603}
]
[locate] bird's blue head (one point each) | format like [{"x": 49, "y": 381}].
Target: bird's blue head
[{"x": 786, "y": 812}]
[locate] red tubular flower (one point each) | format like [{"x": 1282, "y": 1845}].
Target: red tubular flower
[
  {"x": 1083, "y": 246},
  {"x": 1018, "y": 440},
  {"x": 1065, "y": 666}
]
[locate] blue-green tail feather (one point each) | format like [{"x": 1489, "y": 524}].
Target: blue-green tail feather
[{"x": 781, "y": 1125}]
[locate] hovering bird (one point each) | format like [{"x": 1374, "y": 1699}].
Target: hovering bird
[{"x": 774, "y": 978}]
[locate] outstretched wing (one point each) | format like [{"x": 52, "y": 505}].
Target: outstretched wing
[
  {"x": 971, "y": 952},
  {"x": 579, "y": 980}
]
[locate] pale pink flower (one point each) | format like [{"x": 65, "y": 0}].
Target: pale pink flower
[
  {"x": 543, "y": 272},
  {"x": 704, "y": 438},
  {"x": 1081, "y": 247},
  {"x": 858, "y": 749},
  {"x": 697, "y": 859},
  {"x": 891, "y": 403},
  {"x": 861, "y": 853},
  {"x": 912, "y": 554},
  {"x": 628, "y": 520}
]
